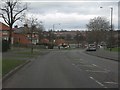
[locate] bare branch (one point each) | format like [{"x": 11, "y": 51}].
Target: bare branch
[
  {"x": 19, "y": 12},
  {"x": 5, "y": 19},
  {"x": 4, "y": 9},
  {"x": 9, "y": 15},
  {"x": 17, "y": 19},
  {"x": 14, "y": 4}
]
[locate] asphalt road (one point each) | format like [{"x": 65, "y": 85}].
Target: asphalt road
[{"x": 66, "y": 69}]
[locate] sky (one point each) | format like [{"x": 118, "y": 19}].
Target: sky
[{"x": 70, "y": 14}]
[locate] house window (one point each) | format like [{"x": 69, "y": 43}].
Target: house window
[
  {"x": 5, "y": 38},
  {"x": 28, "y": 36},
  {"x": 5, "y": 33}
]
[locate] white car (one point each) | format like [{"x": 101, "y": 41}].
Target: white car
[{"x": 91, "y": 47}]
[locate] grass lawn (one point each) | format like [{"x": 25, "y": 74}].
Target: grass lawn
[
  {"x": 8, "y": 65},
  {"x": 114, "y": 49},
  {"x": 28, "y": 53},
  {"x": 0, "y": 68},
  {"x": 17, "y": 56}
]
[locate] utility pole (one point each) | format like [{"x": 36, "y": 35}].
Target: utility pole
[
  {"x": 111, "y": 26},
  {"x": 111, "y": 29}
]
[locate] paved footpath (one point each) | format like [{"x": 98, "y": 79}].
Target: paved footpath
[{"x": 104, "y": 54}]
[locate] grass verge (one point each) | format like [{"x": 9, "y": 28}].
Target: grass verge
[
  {"x": 114, "y": 49},
  {"x": 0, "y": 68},
  {"x": 18, "y": 56},
  {"x": 8, "y": 65}
]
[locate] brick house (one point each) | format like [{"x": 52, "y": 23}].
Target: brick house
[
  {"x": 59, "y": 41},
  {"x": 22, "y": 36},
  {"x": 44, "y": 40},
  {"x": 21, "y": 39},
  {"x": 4, "y": 32},
  {"x": 18, "y": 36}
]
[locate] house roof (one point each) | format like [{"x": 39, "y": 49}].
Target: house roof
[
  {"x": 5, "y": 27},
  {"x": 19, "y": 30}
]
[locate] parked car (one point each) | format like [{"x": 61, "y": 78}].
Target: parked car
[
  {"x": 65, "y": 46},
  {"x": 91, "y": 47}
]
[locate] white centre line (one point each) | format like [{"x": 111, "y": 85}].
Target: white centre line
[
  {"x": 73, "y": 64},
  {"x": 111, "y": 82},
  {"x": 94, "y": 65},
  {"x": 101, "y": 68},
  {"x": 96, "y": 71},
  {"x": 98, "y": 82},
  {"x": 81, "y": 59},
  {"x": 107, "y": 70},
  {"x": 86, "y": 65}
]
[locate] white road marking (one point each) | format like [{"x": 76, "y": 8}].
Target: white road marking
[
  {"x": 107, "y": 70},
  {"x": 98, "y": 82},
  {"x": 96, "y": 71},
  {"x": 94, "y": 65},
  {"x": 86, "y": 65},
  {"x": 81, "y": 59},
  {"x": 101, "y": 68},
  {"x": 111, "y": 82},
  {"x": 73, "y": 64},
  {"x": 76, "y": 66}
]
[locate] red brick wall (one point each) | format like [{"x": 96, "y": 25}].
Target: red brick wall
[
  {"x": 59, "y": 41},
  {"x": 44, "y": 40},
  {"x": 22, "y": 39}
]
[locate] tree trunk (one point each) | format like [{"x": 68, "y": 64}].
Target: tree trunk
[{"x": 10, "y": 36}]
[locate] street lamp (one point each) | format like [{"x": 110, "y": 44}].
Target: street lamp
[
  {"x": 111, "y": 27},
  {"x": 50, "y": 34},
  {"x": 54, "y": 25}
]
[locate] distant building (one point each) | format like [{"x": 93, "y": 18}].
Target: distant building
[
  {"x": 44, "y": 41},
  {"x": 59, "y": 41}
]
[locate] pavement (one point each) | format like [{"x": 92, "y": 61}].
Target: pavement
[{"x": 104, "y": 54}]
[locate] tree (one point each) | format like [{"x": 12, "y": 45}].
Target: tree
[
  {"x": 11, "y": 11},
  {"x": 51, "y": 36},
  {"x": 31, "y": 25},
  {"x": 35, "y": 29},
  {"x": 79, "y": 38},
  {"x": 40, "y": 29},
  {"x": 97, "y": 30}
]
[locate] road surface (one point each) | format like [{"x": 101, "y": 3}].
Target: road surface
[{"x": 66, "y": 69}]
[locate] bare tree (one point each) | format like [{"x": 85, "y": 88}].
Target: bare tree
[
  {"x": 79, "y": 38},
  {"x": 40, "y": 29},
  {"x": 97, "y": 29},
  {"x": 32, "y": 24},
  {"x": 11, "y": 11},
  {"x": 34, "y": 27}
]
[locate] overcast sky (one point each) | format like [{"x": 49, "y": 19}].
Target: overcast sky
[{"x": 70, "y": 14}]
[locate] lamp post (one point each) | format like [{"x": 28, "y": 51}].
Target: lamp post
[
  {"x": 111, "y": 26},
  {"x": 54, "y": 25}
]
